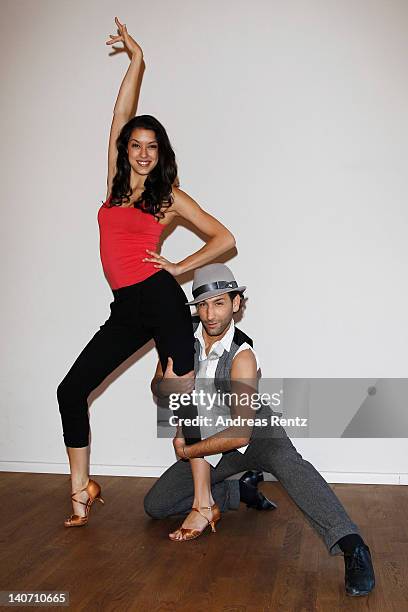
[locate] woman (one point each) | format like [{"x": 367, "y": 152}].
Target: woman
[{"x": 148, "y": 301}]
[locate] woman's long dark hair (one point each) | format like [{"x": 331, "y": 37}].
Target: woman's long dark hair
[{"x": 158, "y": 183}]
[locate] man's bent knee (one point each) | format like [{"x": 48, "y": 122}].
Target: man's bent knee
[{"x": 152, "y": 508}]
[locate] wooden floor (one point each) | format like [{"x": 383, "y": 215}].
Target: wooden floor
[{"x": 256, "y": 562}]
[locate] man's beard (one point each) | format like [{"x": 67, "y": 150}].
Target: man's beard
[{"x": 216, "y": 331}]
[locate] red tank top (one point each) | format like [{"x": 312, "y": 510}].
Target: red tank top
[{"x": 125, "y": 234}]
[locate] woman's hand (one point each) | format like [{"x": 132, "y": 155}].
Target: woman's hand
[
  {"x": 162, "y": 263},
  {"x": 129, "y": 43}
]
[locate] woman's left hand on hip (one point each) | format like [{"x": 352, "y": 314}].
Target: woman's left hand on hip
[{"x": 161, "y": 262}]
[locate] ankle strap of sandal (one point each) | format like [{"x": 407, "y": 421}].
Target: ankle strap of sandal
[
  {"x": 76, "y": 492},
  {"x": 204, "y": 508}
]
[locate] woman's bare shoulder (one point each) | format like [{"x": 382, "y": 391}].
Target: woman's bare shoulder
[{"x": 182, "y": 201}]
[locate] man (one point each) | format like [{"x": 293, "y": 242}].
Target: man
[{"x": 218, "y": 297}]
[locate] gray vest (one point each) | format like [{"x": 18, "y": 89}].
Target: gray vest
[
  {"x": 223, "y": 372},
  {"x": 223, "y": 380}
]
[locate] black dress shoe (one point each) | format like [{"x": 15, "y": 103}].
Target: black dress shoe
[
  {"x": 249, "y": 493},
  {"x": 253, "y": 477},
  {"x": 359, "y": 576}
]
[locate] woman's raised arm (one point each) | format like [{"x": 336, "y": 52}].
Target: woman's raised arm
[{"x": 125, "y": 102}]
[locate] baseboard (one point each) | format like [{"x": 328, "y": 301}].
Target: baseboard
[
  {"x": 95, "y": 469},
  {"x": 153, "y": 471}
]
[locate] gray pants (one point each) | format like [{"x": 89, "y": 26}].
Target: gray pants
[{"x": 174, "y": 490}]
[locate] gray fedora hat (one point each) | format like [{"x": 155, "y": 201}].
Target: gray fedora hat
[{"x": 212, "y": 280}]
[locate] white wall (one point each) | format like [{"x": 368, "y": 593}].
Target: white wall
[{"x": 289, "y": 121}]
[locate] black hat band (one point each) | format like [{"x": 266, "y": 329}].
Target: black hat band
[{"x": 214, "y": 287}]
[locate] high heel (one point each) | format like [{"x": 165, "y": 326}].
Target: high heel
[
  {"x": 191, "y": 534},
  {"x": 94, "y": 493}
]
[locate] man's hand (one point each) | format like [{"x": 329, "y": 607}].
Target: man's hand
[
  {"x": 171, "y": 383},
  {"x": 179, "y": 444}
]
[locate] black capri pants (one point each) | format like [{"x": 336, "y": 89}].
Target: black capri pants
[{"x": 154, "y": 308}]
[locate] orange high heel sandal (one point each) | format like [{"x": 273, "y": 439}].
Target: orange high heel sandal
[
  {"x": 94, "y": 493},
  {"x": 190, "y": 534}
]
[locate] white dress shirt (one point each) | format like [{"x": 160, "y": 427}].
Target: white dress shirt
[{"x": 208, "y": 369}]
